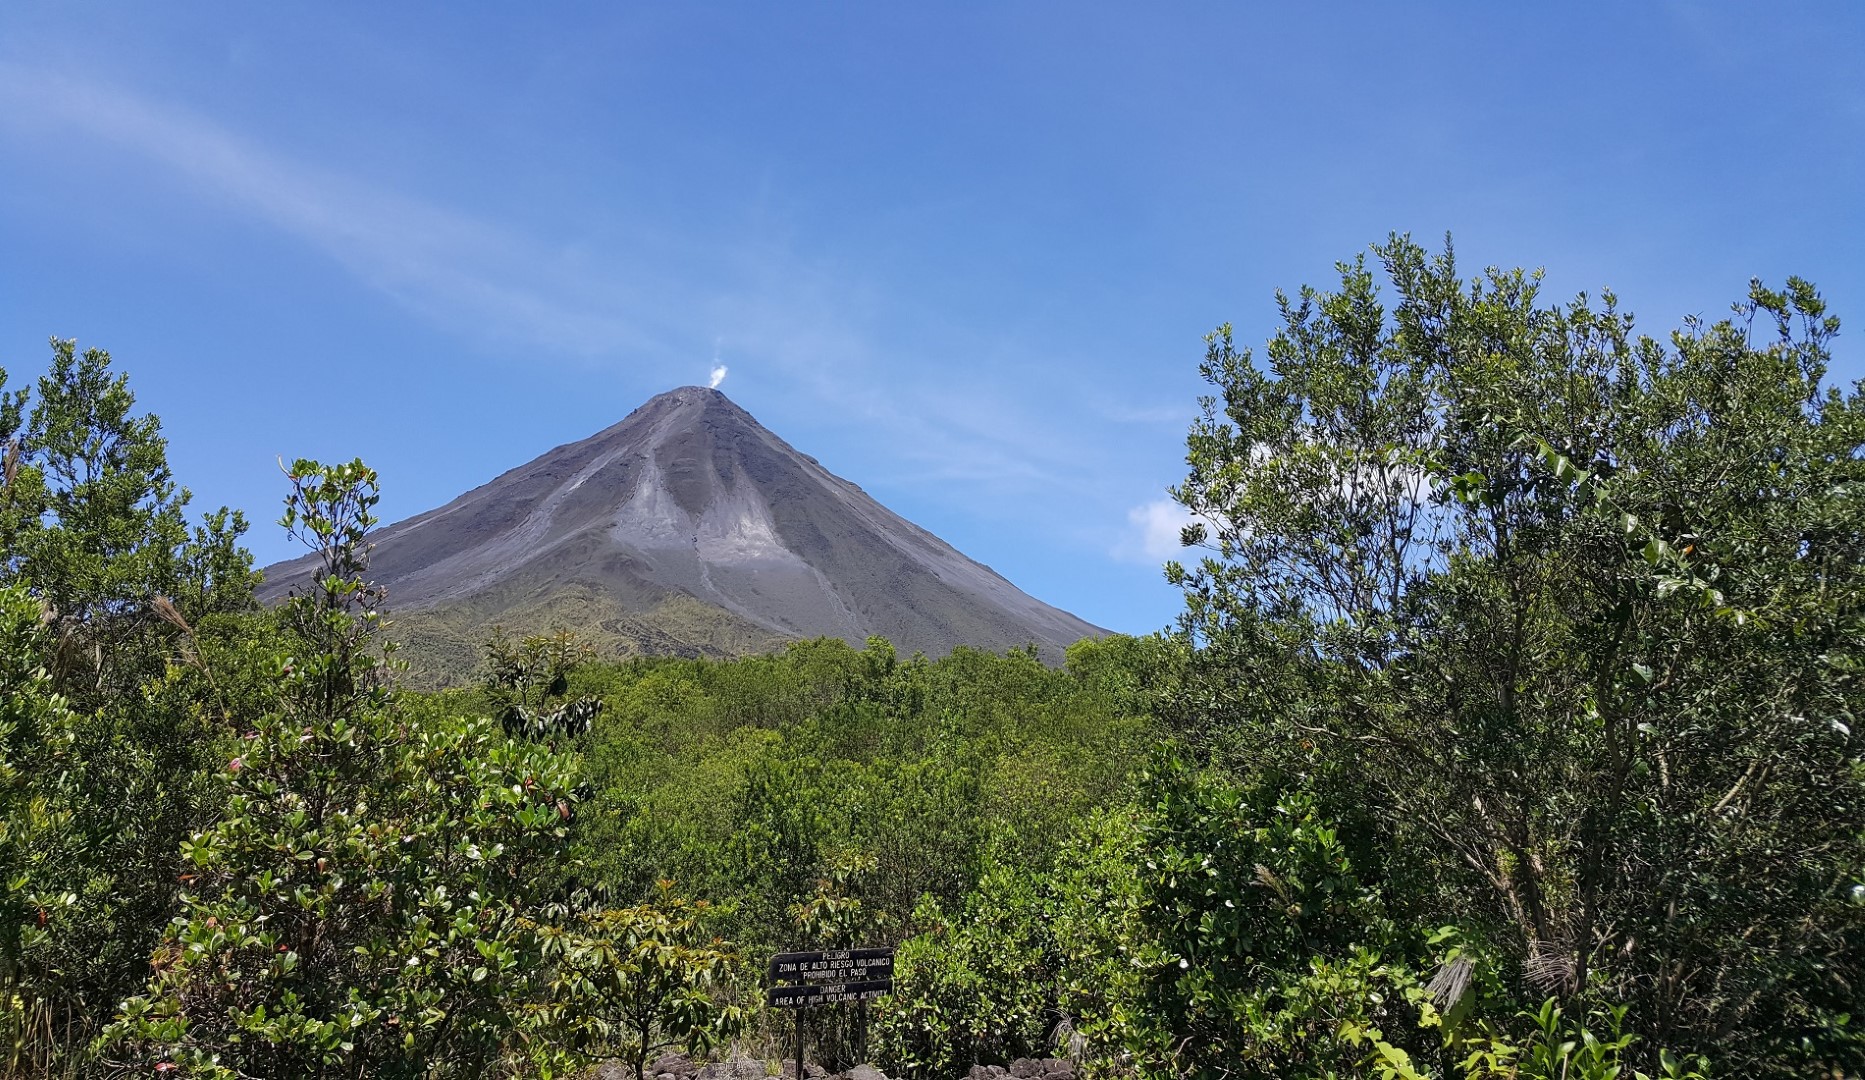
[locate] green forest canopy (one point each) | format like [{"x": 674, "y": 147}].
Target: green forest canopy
[{"x": 1508, "y": 732}]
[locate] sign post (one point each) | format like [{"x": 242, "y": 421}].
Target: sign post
[{"x": 801, "y": 979}]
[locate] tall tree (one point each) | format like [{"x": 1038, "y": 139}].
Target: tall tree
[
  {"x": 19, "y": 505},
  {"x": 38, "y": 767},
  {"x": 1578, "y": 612},
  {"x": 128, "y": 600},
  {"x": 105, "y": 530},
  {"x": 367, "y": 903}
]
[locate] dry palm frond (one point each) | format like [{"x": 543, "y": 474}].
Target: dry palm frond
[
  {"x": 1268, "y": 879},
  {"x": 1549, "y": 967},
  {"x": 166, "y": 610},
  {"x": 1448, "y": 985},
  {"x": 65, "y": 652}
]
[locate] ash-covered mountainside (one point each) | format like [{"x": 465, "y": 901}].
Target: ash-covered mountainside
[{"x": 688, "y": 528}]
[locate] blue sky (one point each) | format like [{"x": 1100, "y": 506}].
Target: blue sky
[{"x": 964, "y": 254}]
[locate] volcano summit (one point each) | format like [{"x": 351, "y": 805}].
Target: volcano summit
[{"x": 688, "y": 529}]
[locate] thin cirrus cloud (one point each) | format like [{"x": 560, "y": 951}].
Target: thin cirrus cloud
[
  {"x": 480, "y": 278},
  {"x": 814, "y": 329},
  {"x": 446, "y": 266}
]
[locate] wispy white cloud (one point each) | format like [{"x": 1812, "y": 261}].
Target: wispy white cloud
[
  {"x": 838, "y": 343},
  {"x": 447, "y": 266},
  {"x": 822, "y": 334},
  {"x": 1177, "y": 417}
]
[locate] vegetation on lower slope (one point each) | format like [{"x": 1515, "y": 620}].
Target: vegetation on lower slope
[
  {"x": 444, "y": 646},
  {"x": 1509, "y": 732}
]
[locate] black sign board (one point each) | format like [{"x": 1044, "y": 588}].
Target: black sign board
[
  {"x": 803, "y": 996},
  {"x": 827, "y": 978},
  {"x": 845, "y": 965}
]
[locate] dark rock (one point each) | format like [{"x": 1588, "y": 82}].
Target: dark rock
[
  {"x": 736, "y": 1069},
  {"x": 674, "y": 1066}
]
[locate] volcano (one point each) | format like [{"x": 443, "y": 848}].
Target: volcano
[{"x": 688, "y": 529}]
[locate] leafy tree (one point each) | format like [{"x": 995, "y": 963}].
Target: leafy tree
[
  {"x": 103, "y": 532},
  {"x": 627, "y": 982},
  {"x": 1260, "y": 942},
  {"x": 362, "y": 906},
  {"x": 1576, "y": 613},
  {"x": 975, "y": 986},
  {"x": 19, "y": 490},
  {"x": 37, "y": 766},
  {"x": 1141, "y": 676},
  {"x": 836, "y": 916},
  {"x": 522, "y": 678},
  {"x": 1219, "y": 929},
  {"x": 1557, "y": 1047},
  {"x": 1209, "y": 930},
  {"x": 92, "y": 526}
]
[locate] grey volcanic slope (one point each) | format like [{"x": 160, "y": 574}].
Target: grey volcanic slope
[{"x": 690, "y": 499}]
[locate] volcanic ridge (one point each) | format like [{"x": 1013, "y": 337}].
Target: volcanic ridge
[{"x": 688, "y": 529}]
